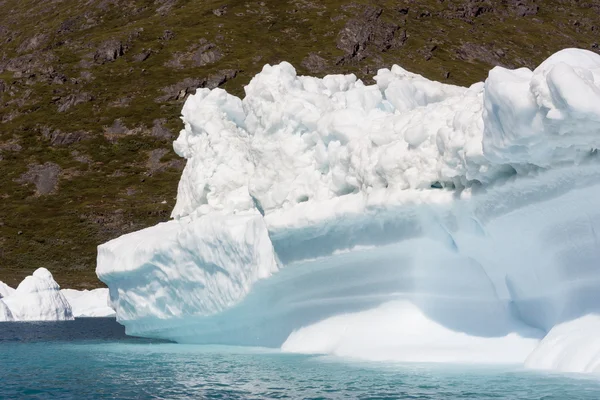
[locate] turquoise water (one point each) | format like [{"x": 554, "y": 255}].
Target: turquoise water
[{"x": 110, "y": 365}]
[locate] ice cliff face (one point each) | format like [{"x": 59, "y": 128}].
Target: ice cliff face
[{"x": 407, "y": 220}]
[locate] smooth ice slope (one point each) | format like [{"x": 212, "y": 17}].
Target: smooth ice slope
[
  {"x": 89, "y": 303},
  {"x": 406, "y": 220},
  {"x": 400, "y": 331},
  {"x": 38, "y": 298},
  {"x": 572, "y": 346}
]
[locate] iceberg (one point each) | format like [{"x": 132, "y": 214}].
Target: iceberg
[
  {"x": 38, "y": 298},
  {"x": 406, "y": 220}
]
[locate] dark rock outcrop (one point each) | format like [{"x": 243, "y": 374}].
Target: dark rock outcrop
[
  {"x": 180, "y": 90},
  {"x": 65, "y": 103},
  {"x": 219, "y": 78},
  {"x": 59, "y": 138},
  {"x": 109, "y": 51},
  {"x": 207, "y": 54},
  {"x": 368, "y": 34}
]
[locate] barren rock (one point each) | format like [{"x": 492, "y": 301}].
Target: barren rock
[
  {"x": 219, "y": 78},
  {"x": 220, "y": 11},
  {"x": 82, "y": 158},
  {"x": 117, "y": 128},
  {"x": 368, "y": 34},
  {"x": 59, "y": 138},
  {"x": 160, "y": 131},
  {"x": 314, "y": 63},
  {"x": 33, "y": 43},
  {"x": 109, "y": 51},
  {"x": 164, "y": 6},
  {"x": 207, "y": 54},
  {"x": 180, "y": 90},
  {"x": 167, "y": 35},
  {"x": 43, "y": 176},
  {"x": 72, "y": 100},
  {"x": 143, "y": 56}
]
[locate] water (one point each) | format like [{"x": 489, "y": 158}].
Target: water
[{"x": 93, "y": 359}]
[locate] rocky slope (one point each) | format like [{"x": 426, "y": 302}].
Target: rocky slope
[{"x": 90, "y": 92}]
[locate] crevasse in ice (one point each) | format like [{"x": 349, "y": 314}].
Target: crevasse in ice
[{"x": 406, "y": 220}]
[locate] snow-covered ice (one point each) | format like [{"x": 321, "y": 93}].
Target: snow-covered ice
[
  {"x": 407, "y": 220},
  {"x": 38, "y": 298},
  {"x": 89, "y": 303}
]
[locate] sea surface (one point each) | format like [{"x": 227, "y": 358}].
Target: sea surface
[{"x": 94, "y": 359}]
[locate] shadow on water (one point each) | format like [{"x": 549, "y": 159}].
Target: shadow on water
[{"x": 67, "y": 331}]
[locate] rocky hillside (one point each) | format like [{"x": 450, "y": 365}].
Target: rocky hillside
[{"x": 90, "y": 92}]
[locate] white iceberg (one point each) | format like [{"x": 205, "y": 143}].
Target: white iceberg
[
  {"x": 89, "y": 303},
  {"x": 38, "y": 298},
  {"x": 406, "y": 220}
]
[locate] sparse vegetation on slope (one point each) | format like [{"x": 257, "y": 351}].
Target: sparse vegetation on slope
[{"x": 90, "y": 92}]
